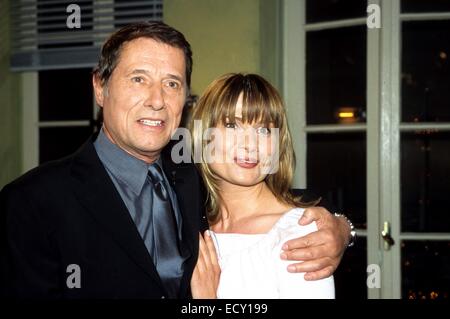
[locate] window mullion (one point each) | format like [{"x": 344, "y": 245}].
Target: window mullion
[
  {"x": 373, "y": 150},
  {"x": 390, "y": 144}
]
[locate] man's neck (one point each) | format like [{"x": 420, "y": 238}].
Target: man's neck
[{"x": 148, "y": 158}]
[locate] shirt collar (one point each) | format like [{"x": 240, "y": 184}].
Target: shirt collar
[{"x": 129, "y": 169}]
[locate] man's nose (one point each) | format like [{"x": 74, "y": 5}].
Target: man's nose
[{"x": 155, "y": 98}]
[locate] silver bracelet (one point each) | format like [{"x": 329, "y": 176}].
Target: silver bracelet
[{"x": 352, "y": 229}]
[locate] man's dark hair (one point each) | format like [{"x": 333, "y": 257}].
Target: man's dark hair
[{"x": 157, "y": 31}]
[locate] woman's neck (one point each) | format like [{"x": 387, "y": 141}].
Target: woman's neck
[{"x": 240, "y": 205}]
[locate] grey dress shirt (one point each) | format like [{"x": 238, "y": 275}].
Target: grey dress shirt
[{"x": 129, "y": 175}]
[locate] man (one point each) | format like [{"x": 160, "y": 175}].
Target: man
[{"x": 118, "y": 219}]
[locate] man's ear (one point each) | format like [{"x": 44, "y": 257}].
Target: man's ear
[{"x": 98, "y": 89}]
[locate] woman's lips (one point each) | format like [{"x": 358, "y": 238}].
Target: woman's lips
[{"x": 246, "y": 163}]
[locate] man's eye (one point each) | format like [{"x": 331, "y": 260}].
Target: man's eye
[
  {"x": 137, "y": 79},
  {"x": 173, "y": 84},
  {"x": 230, "y": 125},
  {"x": 263, "y": 131}
]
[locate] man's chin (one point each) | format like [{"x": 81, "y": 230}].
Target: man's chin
[{"x": 152, "y": 148}]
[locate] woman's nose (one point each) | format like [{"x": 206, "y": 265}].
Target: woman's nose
[{"x": 248, "y": 139}]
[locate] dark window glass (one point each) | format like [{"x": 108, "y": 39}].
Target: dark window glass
[
  {"x": 65, "y": 95},
  {"x": 336, "y": 170},
  {"x": 425, "y": 181},
  {"x": 350, "y": 277},
  {"x": 426, "y": 71},
  {"x": 336, "y": 76},
  {"x": 425, "y": 5},
  {"x": 126, "y": 11},
  {"x": 425, "y": 266},
  {"x": 52, "y": 19},
  {"x": 57, "y": 142},
  {"x": 326, "y": 10}
]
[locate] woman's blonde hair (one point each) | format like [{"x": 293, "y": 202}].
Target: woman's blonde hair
[{"x": 261, "y": 103}]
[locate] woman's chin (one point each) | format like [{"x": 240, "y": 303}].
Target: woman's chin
[{"x": 247, "y": 182}]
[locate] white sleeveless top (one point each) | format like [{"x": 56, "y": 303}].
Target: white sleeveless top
[{"x": 251, "y": 266}]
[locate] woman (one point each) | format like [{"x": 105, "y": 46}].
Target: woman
[{"x": 247, "y": 163}]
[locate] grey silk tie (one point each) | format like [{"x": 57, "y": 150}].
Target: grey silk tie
[{"x": 167, "y": 256}]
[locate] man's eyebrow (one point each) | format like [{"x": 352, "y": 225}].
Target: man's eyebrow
[
  {"x": 175, "y": 77},
  {"x": 169, "y": 75},
  {"x": 139, "y": 71}
]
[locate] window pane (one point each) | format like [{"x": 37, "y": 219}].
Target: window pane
[
  {"x": 65, "y": 95},
  {"x": 326, "y": 10},
  {"x": 336, "y": 170},
  {"x": 425, "y": 181},
  {"x": 350, "y": 277},
  {"x": 425, "y": 266},
  {"x": 426, "y": 71},
  {"x": 425, "y": 5},
  {"x": 336, "y": 76},
  {"x": 57, "y": 142}
]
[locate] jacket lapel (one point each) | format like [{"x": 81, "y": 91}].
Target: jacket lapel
[{"x": 97, "y": 193}]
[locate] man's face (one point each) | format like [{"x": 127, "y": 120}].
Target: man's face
[{"x": 144, "y": 97}]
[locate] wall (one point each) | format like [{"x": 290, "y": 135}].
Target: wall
[
  {"x": 10, "y": 113},
  {"x": 227, "y": 36}
]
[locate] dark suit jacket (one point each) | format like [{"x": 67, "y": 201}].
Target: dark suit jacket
[{"x": 69, "y": 212}]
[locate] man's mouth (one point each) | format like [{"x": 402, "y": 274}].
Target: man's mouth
[{"x": 153, "y": 123}]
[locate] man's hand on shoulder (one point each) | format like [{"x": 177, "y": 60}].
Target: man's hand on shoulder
[{"x": 320, "y": 251}]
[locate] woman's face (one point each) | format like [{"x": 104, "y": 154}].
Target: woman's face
[{"x": 242, "y": 154}]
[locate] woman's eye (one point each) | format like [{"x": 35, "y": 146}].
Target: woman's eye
[
  {"x": 230, "y": 125},
  {"x": 263, "y": 131}
]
